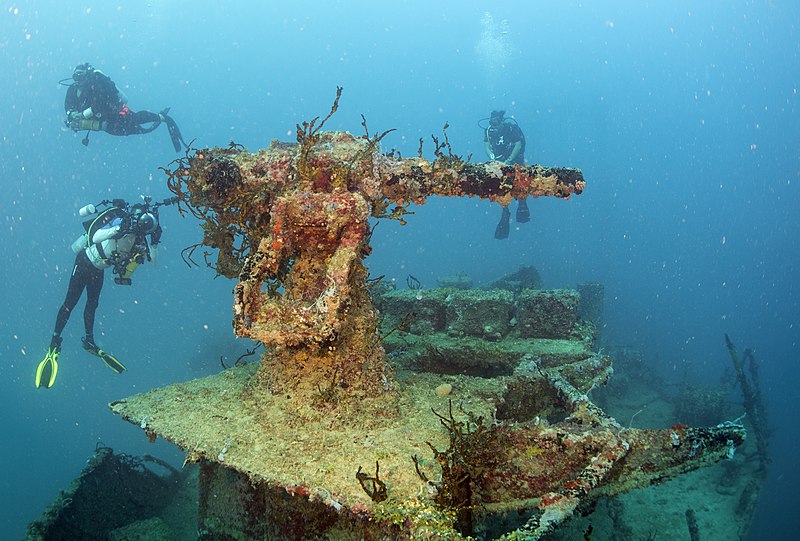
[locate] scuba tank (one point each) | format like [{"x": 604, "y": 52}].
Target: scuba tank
[
  {"x": 83, "y": 241},
  {"x": 90, "y": 124},
  {"x": 80, "y": 244}
]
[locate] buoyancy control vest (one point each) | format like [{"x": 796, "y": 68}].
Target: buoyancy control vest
[{"x": 105, "y": 251}]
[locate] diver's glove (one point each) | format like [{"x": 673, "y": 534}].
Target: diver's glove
[{"x": 124, "y": 227}]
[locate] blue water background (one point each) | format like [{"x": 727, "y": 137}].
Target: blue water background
[{"x": 682, "y": 115}]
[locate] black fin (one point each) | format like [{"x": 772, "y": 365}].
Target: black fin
[
  {"x": 174, "y": 133},
  {"x": 501, "y": 232},
  {"x": 523, "y": 213}
]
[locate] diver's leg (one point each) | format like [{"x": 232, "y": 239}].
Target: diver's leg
[
  {"x": 77, "y": 282},
  {"x": 143, "y": 117},
  {"x": 47, "y": 370},
  {"x": 116, "y": 128},
  {"x": 94, "y": 286},
  {"x": 131, "y": 123},
  {"x": 93, "y": 289}
]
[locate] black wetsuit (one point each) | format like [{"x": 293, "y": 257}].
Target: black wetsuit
[
  {"x": 99, "y": 92},
  {"x": 96, "y": 90},
  {"x": 84, "y": 276},
  {"x": 502, "y": 140}
]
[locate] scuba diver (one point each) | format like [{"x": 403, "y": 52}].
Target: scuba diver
[
  {"x": 504, "y": 142},
  {"x": 94, "y": 103},
  {"x": 115, "y": 238}
]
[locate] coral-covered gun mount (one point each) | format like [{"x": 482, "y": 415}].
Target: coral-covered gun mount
[{"x": 292, "y": 224}]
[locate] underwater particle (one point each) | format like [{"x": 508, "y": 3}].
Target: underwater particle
[{"x": 444, "y": 389}]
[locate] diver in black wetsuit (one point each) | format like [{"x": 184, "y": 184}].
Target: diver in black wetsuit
[
  {"x": 115, "y": 238},
  {"x": 505, "y": 142},
  {"x": 94, "y": 103}
]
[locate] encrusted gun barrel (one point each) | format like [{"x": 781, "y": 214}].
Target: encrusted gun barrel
[
  {"x": 416, "y": 179},
  {"x": 341, "y": 161}
]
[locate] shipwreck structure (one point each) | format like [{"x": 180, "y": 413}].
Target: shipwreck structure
[{"x": 476, "y": 421}]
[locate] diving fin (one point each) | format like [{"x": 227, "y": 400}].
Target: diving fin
[
  {"x": 47, "y": 370},
  {"x": 106, "y": 357},
  {"x": 523, "y": 212},
  {"x": 111, "y": 362},
  {"x": 501, "y": 232},
  {"x": 174, "y": 134}
]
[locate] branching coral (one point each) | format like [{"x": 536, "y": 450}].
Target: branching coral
[{"x": 462, "y": 465}]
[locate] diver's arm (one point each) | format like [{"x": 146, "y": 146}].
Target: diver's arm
[
  {"x": 73, "y": 108},
  {"x": 514, "y": 152},
  {"x": 489, "y": 151},
  {"x": 108, "y": 231},
  {"x": 487, "y": 145},
  {"x": 105, "y": 233},
  {"x": 71, "y": 101}
]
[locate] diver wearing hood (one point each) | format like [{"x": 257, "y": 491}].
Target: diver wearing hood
[{"x": 94, "y": 103}]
